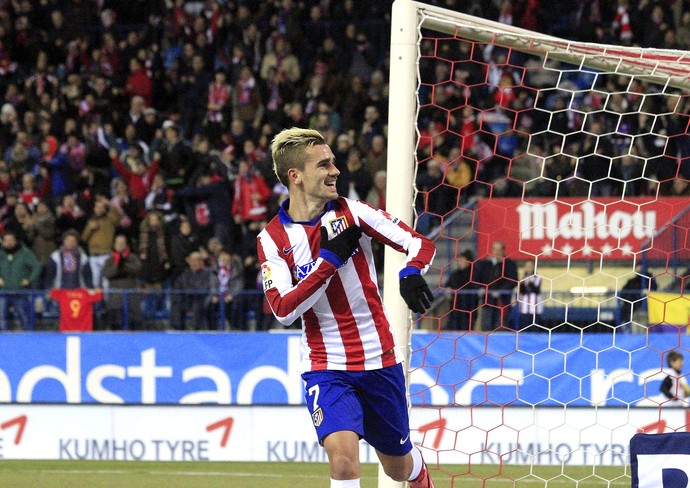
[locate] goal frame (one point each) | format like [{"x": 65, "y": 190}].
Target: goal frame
[{"x": 664, "y": 67}]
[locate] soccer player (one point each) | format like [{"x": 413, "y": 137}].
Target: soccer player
[{"x": 317, "y": 264}]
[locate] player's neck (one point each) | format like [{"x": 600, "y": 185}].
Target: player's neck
[{"x": 305, "y": 209}]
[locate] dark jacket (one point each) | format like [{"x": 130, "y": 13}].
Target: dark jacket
[
  {"x": 17, "y": 266},
  {"x": 500, "y": 276}
]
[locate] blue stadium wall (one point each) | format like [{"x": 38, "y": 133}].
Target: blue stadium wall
[{"x": 262, "y": 368}]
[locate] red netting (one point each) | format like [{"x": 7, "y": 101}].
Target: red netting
[{"x": 557, "y": 198}]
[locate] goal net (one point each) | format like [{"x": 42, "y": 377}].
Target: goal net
[{"x": 551, "y": 175}]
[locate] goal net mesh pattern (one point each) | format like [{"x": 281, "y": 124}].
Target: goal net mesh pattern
[{"x": 553, "y": 178}]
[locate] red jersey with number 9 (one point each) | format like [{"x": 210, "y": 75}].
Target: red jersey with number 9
[{"x": 76, "y": 308}]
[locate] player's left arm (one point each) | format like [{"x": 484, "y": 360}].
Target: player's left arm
[
  {"x": 418, "y": 249},
  {"x": 391, "y": 231}
]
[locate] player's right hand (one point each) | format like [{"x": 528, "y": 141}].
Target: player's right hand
[{"x": 340, "y": 248}]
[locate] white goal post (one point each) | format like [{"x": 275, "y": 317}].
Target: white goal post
[{"x": 666, "y": 68}]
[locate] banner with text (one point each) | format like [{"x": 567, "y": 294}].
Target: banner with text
[
  {"x": 262, "y": 368},
  {"x": 512, "y": 435},
  {"x": 573, "y": 227}
]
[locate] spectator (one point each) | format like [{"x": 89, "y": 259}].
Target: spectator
[
  {"x": 196, "y": 289},
  {"x": 432, "y": 200},
  {"x": 465, "y": 300},
  {"x": 98, "y": 236},
  {"x": 354, "y": 181},
  {"x": 354, "y": 103},
  {"x": 137, "y": 175},
  {"x": 29, "y": 194},
  {"x": 230, "y": 274},
  {"x": 246, "y": 100},
  {"x": 211, "y": 253},
  {"x": 20, "y": 159},
  {"x": 632, "y": 295},
  {"x": 69, "y": 264},
  {"x": 101, "y": 91},
  {"x": 130, "y": 148},
  {"x": 343, "y": 144},
  {"x": 282, "y": 59},
  {"x": 217, "y": 107},
  {"x": 23, "y": 218},
  {"x": 249, "y": 206},
  {"x": 139, "y": 83},
  {"x": 40, "y": 233},
  {"x": 371, "y": 127},
  {"x": 9, "y": 126},
  {"x": 377, "y": 195},
  {"x": 58, "y": 173},
  {"x": 529, "y": 298},
  {"x": 376, "y": 155},
  {"x": 153, "y": 250},
  {"x": 162, "y": 199},
  {"x": 276, "y": 93},
  {"x": 122, "y": 269},
  {"x": 153, "y": 253},
  {"x": 175, "y": 156},
  {"x": 497, "y": 276},
  {"x": 19, "y": 272},
  {"x": 364, "y": 59},
  {"x": 8, "y": 218},
  {"x": 146, "y": 130},
  {"x": 213, "y": 194},
  {"x": 460, "y": 174},
  {"x": 134, "y": 118},
  {"x": 193, "y": 88},
  {"x": 205, "y": 160},
  {"x": 130, "y": 210},
  {"x": 74, "y": 151},
  {"x": 182, "y": 243}
]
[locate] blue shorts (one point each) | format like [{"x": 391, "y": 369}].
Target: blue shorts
[{"x": 373, "y": 404}]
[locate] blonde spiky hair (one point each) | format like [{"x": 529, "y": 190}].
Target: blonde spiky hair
[{"x": 287, "y": 150}]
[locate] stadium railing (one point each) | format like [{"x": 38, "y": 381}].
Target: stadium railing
[
  {"x": 170, "y": 309},
  {"x": 142, "y": 309}
]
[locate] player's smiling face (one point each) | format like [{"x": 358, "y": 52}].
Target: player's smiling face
[{"x": 320, "y": 174}]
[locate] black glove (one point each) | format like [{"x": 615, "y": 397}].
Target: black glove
[
  {"x": 342, "y": 245},
  {"x": 416, "y": 293}
]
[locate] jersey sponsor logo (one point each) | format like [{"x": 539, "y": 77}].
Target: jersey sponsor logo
[
  {"x": 266, "y": 276},
  {"x": 288, "y": 250},
  {"x": 301, "y": 271},
  {"x": 338, "y": 225},
  {"x": 317, "y": 417}
]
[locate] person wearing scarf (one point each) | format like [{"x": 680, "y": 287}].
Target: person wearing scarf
[{"x": 121, "y": 270}]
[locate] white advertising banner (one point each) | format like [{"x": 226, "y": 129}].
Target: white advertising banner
[{"x": 284, "y": 433}]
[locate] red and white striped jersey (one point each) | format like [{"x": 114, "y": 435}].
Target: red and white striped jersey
[
  {"x": 344, "y": 322},
  {"x": 529, "y": 296}
]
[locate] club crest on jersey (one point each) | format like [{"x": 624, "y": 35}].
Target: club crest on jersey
[
  {"x": 338, "y": 225},
  {"x": 317, "y": 417},
  {"x": 266, "y": 276}
]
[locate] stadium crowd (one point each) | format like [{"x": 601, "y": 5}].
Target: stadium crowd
[{"x": 135, "y": 135}]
